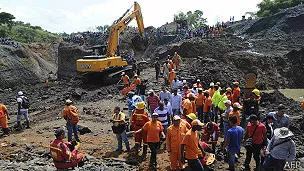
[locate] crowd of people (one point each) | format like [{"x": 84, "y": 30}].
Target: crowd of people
[
  {"x": 182, "y": 109},
  {"x": 81, "y": 37},
  {"x": 185, "y": 119},
  {"x": 8, "y": 41}
]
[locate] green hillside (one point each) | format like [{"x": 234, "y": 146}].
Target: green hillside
[{"x": 27, "y": 34}]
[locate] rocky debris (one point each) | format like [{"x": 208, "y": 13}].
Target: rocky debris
[{"x": 83, "y": 130}]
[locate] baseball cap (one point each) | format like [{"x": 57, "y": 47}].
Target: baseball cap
[
  {"x": 20, "y": 93},
  {"x": 59, "y": 132},
  {"x": 197, "y": 122},
  {"x": 227, "y": 102},
  {"x": 155, "y": 114},
  {"x": 176, "y": 117}
]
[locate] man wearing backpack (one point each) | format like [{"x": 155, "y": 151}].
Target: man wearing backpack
[{"x": 23, "y": 106}]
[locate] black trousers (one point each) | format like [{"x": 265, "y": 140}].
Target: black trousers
[
  {"x": 153, "y": 148},
  {"x": 255, "y": 150}
]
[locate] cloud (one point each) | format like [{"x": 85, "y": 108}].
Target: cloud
[{"x": 72, "y": 16}]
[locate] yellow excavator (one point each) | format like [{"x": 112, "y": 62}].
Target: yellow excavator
[{"x": 106, "y": 60}]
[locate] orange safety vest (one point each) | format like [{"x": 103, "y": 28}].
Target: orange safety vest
[{"x": 2, "y": 111}]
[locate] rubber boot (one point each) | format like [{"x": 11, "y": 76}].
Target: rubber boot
[
  {"x": 27, "y": 124},
  {"x": 145, "y": 149},
  {"x": 18, "y": 126}
]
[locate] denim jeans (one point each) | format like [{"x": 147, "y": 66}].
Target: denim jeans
[
  {"x": 143, "y": 97},
  {"x": 231, "y": 157},
  {"x": 24, "y": 113},
  {"x": 195, "y": 164},
  {"x": 72, "y": 128},
  {"x": 176, "y": 112},
  {"x": 274, "y": 164},
  {"x": 123, "y": 137},
  {"x": 207, "y": 117},
  {"x": 165, "y": 129},
  {"x": 226, "y": 127}
]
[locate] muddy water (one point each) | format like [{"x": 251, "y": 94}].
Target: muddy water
[{"x": 295, "y": 94}]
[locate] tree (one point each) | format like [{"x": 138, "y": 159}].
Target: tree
[
  {"x": 99, "y": 28},
  {"x": 270, "y": 7},
  {"x": 194, "y": 19},
  {"x": 6, "y": 18}
]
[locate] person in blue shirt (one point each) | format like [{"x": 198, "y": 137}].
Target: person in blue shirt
[{"x": 233, "y": 141}]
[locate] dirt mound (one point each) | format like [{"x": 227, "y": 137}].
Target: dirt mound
[
  {"x": 279, "y": 25},
  {"x": 23, "y": 65}
]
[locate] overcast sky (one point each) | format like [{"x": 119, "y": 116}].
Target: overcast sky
[{"x": 81, "y": 15}]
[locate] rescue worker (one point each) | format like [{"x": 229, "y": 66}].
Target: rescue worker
[
  {"x": 155, "y": 133},
  {"x": 215, "y": 100},
  {"x": 187, "y": 119},
  {"x": 211, "y": 89},
  {"x": 61, "y": 154},
  {"x": 257, "y": 95},
  {"x": 221, "y": 106},
  {"x": 138, "y": 120},
  {"x": 119, "y": 122},
  {"x": 199, "y": 102},
  {"x": 176, "y": 59},
  {"x": 70, "y": 114},
  {"x": 190, "y": 146},
  {"x": 125, "y": 79},
  {"x": 229, "y": 93},
  {"x": 3, "y": 119},
  {"x": 157, "y": 68},
  {"x": 186, "y": 91},
  {"x": 171, "y": 76},
  {"x": 187, "y": 106},
  {"x": 236, "y": 93},
  {"x": 302, "y": 104},
  {"x": 22, "y": 110},
  {"x": 207, "y": 107},
  {"x": 175, "y": 135},
  {"x": 136, "y": 81},
  {"x": 191, "y": 97},
  {"x": 281, "y": 118},
  {"x": 211, "y": 134},
  {"x": 236, "y": 112},
  {"x": 198, "y": 84},
  {"x": 171, "y": 65}
]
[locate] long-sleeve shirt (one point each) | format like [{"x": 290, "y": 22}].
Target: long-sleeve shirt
[
  {"x": 176, "y": 101},
  {"x": 285, "y": 151},
  {"x": 216, "y": 98},
  {"x": 176, "y": 84},
  {"x": 169, "y": 107},
  {"x": 163, "y": 95}
]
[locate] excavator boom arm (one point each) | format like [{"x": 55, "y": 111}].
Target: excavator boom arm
[{"x": 120, "y": 25}]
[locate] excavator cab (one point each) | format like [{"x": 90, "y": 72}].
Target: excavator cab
[{"x": 106, "y": 60}]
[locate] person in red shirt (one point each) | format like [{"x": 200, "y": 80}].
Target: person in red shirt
[
  {"x": 138, "y": 119},
  {"x": 63, "y": 157},
  {"x": 257, "y": 131},
  {"x": 236, "y": 94},
  {"x": 211, "y": 134},
  {"x": 152, "y": 101}
]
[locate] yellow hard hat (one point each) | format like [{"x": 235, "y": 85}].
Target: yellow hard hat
[
  {"x": 256, "y": 92},
  {"x": 140, "y": 105},
  {"x": 191, "y": 116}
]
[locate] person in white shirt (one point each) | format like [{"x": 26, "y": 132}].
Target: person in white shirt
[
  {"x": 176, "y": 83},
  {"x": 194, "y": 89},
  {"x": 22, "y": 110},
  {"x": 167, "y": 104},
  {"x": 176, "y": 102},
  {"x": 164, "y": 94}
]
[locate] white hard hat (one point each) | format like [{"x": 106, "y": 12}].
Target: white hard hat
[{"x": 20, "y": 93}]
